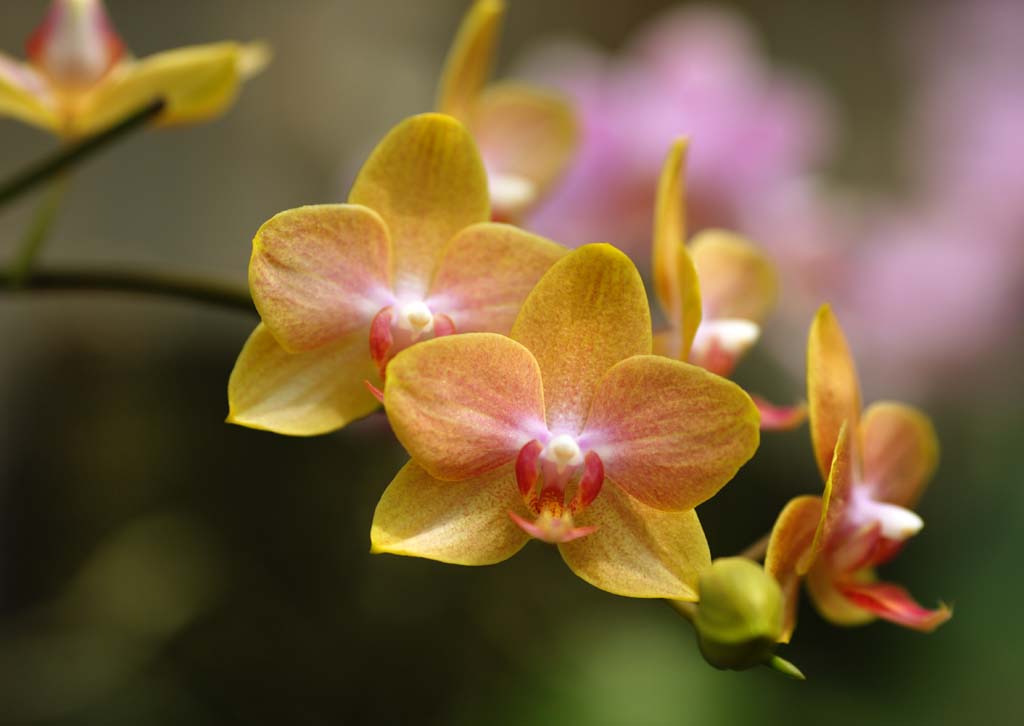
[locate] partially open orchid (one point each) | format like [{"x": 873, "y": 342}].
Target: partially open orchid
[
  {"x": 80, "y": 79},
  {"x": 715, "y": 294},
  {"x": 876, "y": 466},
  {"x": 569, "y": 432},
  {"x": 526, "y": 135},
  {"x": 342, "y": 288}
]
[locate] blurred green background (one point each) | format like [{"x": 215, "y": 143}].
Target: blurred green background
[{"x": 160, "y": 567}]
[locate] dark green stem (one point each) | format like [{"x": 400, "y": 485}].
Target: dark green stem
[
  {"x": 74, "y": 154},
  {"x": 146, "y": 283},
  {"x": 38, "y": 231}
]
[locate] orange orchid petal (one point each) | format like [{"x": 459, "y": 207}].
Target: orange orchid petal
[
  {"x": 901, "y": 452},
  {"x": 469, "y": 61},
  {"x": 833, "y": 392},
  {"x": 24, "y": 94},
  {"x": 830, "y": 603},
  {"x": 485, "y": 274},
  {"x": 464, "y": 522},
  {"x": 780, "y": 418},
  {"x": 587, "y": 313},
  {"x": 669, "y": 433},
  {"x": 838, "y": 490},
  {"x": 675, "y": 277},
  {"x": 791, "y": 553},
  {"x": 737, "y": 280},
  {"x": 637, "y": 551},
  {"x": 463, "y": 405},
  {"x": 301, "y": 394},
  {"x": 893, "y": 603},
  {"x": 427, "y": 182},
  {"x": 527, "y": 138},
  {"x": 319, "y": 273},
  {"x": 197, "y": 83}
]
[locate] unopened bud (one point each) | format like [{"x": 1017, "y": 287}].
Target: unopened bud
[{"x": 739, "y": 617}]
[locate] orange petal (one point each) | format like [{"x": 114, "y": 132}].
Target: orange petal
[
  {"x": 320, "y": 273},
  {"x": 838, "y": 491},
  {"x": 895, "y": 604},
  {"x": 833, "y": 393},
  {"x": 485, "y": 274},
  {"x": 669, "y": 433},
  {"x": 675, "y": 277},
  {"x": 24, "y": 95},
  {"x": 526, "y": 136},
  {"x": 779, "y": 418},
  {"x": 464, "y": 522},
  {"x": 737, "y": 280},
  {"x": 469, "y": 61},
  {"x": 427, "y": 182},
  {"x": 301, "y": 394},
  {"x": 463, "y": 405},
  {"x": 587, "y": 313},
  {"x": 638, "y": 551},
  {"x": 790, "y": 553},
  {"x": 830, "y": 603},
  {"x": 901, "y": 452}
]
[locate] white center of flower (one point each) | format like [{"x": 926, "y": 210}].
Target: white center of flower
[
  {"x": 898, "y": 523},
  {"x": 733, "y": 335},
  {"x": 563, "y": 451},
  {"x": 76, "y": 51},
  {"x": 511, "y": 191},
  {"x": 415, "y": 317}
]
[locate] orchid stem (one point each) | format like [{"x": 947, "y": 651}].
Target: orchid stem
[
  {"x": 147, "y": 283},
  {"x": 74, "y": 154},
  {"x": 757, "y": 550},
  {"x": 38, "y": 231}
]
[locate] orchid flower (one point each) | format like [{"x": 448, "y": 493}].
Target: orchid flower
[
  {"x": 569, "y": 432},
  {"x": 875, "y": 467},
  {"x": 342, "y": 288},
  {"x": 79, "y": 78},
  {"x": 527, "y": 136},
  {"x": 715, "y": 294}
]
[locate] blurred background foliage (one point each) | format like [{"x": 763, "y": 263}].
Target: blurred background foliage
[{"x": 160, "y": 567}]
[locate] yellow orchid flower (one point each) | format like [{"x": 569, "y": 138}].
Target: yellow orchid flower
[
  {"x": 526, "y": 135},
  {"x": 714, "y": 294},
  {"x": 875, "y": 466},
  {"x": 569, "y": 431},
  {"x": 342, "y": 288},
  {"x": 79, "y": 78}
]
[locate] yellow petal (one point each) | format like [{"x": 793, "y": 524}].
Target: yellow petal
[
  {"x": 638, "y": 551},
  {"x": 301, "y": 394},
  {"x": 790, "y": 553},
  {"x": 428, "y": 183},
  {"x": 197, "y": 83},
  {"x": 736, "y": 279},
  {"x": 833, "y": 392},
  {"x": 469, "y": 61},
  {"x": 527, "y": 134},
  {"x": 464, "y": 522},
  {"x": 24, "y": 95},
  {"x": 901, "y": 452},
  {"x": 463, "y": 405},
  {"x": 586, "y": 314},
  {"x": 669, "y": 433},
  {"x": 675, "y": 277},
  {"x": 320, "y": 273},
  {"x": 485, "y": 274},
  {"x": 836, "y": 497},
  {"x": 832, "y": 604}
]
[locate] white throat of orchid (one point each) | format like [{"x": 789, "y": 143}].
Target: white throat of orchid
[
  {"x": 76, "y": 43},
  {"x": 563, "y": 452},
  {"x": 896, "y": 522},
  {"x": 416, "y": 318},
  {"x": 510, "y": 192},
  {"x": 732, "y": 335}
]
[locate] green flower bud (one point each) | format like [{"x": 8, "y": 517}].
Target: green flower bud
[{"x": 739, "y": 617}]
